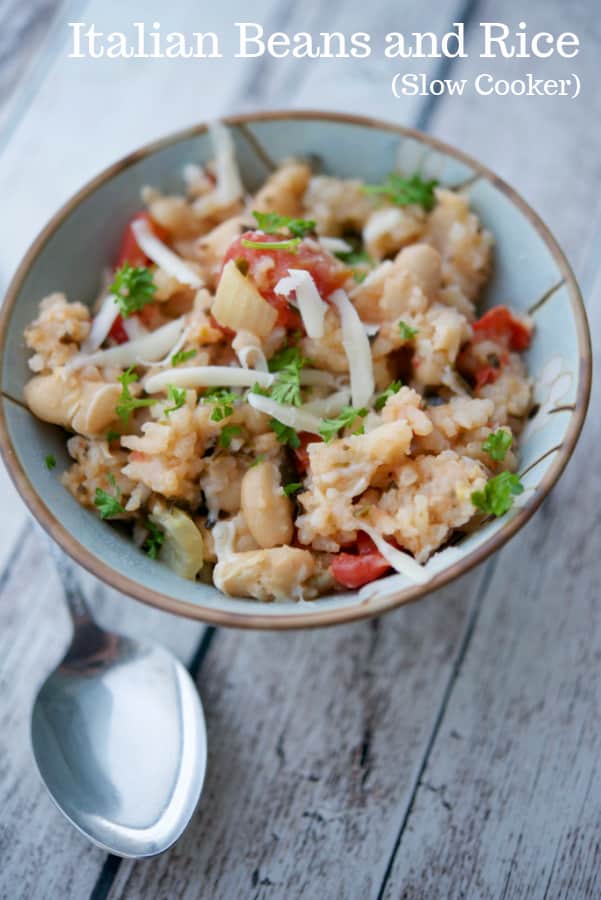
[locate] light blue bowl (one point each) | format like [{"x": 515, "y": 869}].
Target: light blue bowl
[{"x": 531, "y": 273}]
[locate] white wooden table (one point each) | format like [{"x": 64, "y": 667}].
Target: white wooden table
[{"x": 448, "y": 750}]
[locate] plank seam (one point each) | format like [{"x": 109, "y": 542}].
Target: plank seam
[{"x": 457, "y": 664}]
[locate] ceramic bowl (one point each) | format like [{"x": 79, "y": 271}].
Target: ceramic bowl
[{"x": 531, "y": 273}]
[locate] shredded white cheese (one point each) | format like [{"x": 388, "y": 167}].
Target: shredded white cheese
[
  {"x": 318, "y": 378},
  {"x": 207, "y": 376},
  {"x": 310, "y": 305},
  {"x": 249, "y": 351},
  {"x": 335, "y": 245},
  {"x": 229, "y": 183},
  {"x": 133, "y": 328},
  {"x": 381, "y": 222},
  {"x": 292, "y": 416},
  {"x": 160, "y": 254},
  {"x": 357, "y": 349},
  {"x": 329, "y": 406},
  {"x": 401, "y": 562},
  {"x": 175, "y": 349},
  {"x": 101, "y": 324},
  {"x": 150, "y": 347}
]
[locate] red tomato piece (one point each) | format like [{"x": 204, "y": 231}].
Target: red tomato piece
[
  {"x": 118, "y": 332},
  {"x": 499, "y": 324},
  {"x": 353, "y": 571},
  {"x": 302, "y": 456},
  {"x": 267, "y": 267},
  {"x": 130, "y": 252},
  {"x": 487, "y": 375}
]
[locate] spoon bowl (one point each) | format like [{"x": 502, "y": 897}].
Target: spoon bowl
[{"x": 119, "y": 738}]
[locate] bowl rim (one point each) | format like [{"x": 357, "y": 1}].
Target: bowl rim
[{"x": 324, "y": 616}]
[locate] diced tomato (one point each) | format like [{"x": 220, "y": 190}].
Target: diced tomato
[
  {"x": 267, "y": 267},
  {"x": 487, "y": 375},
  {"x": 353, "y": 570},
  {"x": 130, "y": 252},
  {"x": 302, "y": 456},
  {"x": 500, "y": 325},
  {"x": 118, "y": 332}
]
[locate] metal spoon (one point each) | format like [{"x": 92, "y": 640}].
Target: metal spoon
[{"x": 118, "y": 735}]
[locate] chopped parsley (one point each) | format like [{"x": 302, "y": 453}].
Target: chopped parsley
[
  {"x": 406, "y": 191},
  {"x": 354, "y": 257},
  {"x": 112, "y": 436},
  {"x": 497, "y": 444},
  {"x": 50, "y": 462},
  {"x": 154, "y": 540},
  {"x": 285, "y": 434},
  {"x": 271, "y": 223},
  {"x": 175, "y": 395},
  {"x": 292, "y": 488},
  {"x": 227, "y": 433},
  {"x": 224, "y": 403},
  {"x": 288, "y": 364},
  {"x": 407, "y": 332},
  {"x": 259, "y": 389},
  {"x": 393, "y": 388},
  {"x": 127, "y": 403},
  {"x": 497, "y": 497},
  {"x": 107, "y": 505},
  {"x": 260, "y": 458},
  {"x": 183, "y": 356},
  {"x": 330, "y": 427},
  {"x": 133, "y": 287},
  {"x": 290, "y": 244}
]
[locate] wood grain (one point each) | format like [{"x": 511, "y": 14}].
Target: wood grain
[
  {"x": 315, "y": 740},
  {"x": 509, "y": 802}
]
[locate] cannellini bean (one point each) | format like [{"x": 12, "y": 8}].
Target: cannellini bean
[
  {"x": 422, "y": 264},
  {"x": 274, "y": 574},
  {"x": 267, "y": 511},
  {"x": 87, "y": 407}
]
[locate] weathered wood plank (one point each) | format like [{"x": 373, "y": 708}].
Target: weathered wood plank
[
  {"x": 315, "y": 740},
  {"x": 509, "y": 802},
  {"x": 33, "y": 631}
]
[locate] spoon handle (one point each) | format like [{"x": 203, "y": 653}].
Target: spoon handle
[{"x": 74, "y": 597}]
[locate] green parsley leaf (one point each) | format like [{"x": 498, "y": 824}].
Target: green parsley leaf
[
  {"x": 132, "y": 288},
  {"x": 393, "y": 388},
  {"x": 292, "y": 488},
  {"x": 355, "y": 257},
  {"x": 259, "y": 389},
  {"x": 406, "y": 191},
  {"x": 107, "y": 505},
  {"x": 177, "y": 396},
  {"x": 224, "y": 403},
  {"x": 288, "y": 364},
  {"x": 407, "y": 332},
  {"x": 291, "y": 244},
  {"x": 227, "y": 433},
  {"x": 112, "y": 436},
  {"x": 330, "y": 427},
  {"x": 127, "y": 403},
  {"x": 285, "y": 434},
  {"x": 497, "y": 497},
  {"x": 271, "y": 223},
  {"x": 183, "y": 356},
  {"x": 497, "y": 444},
  {"x": 50, "y": 462},
  {"x": 154, "y": 541},
  {"x": 359, "y": 276},
  {"x": 260, "y": 458}
]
